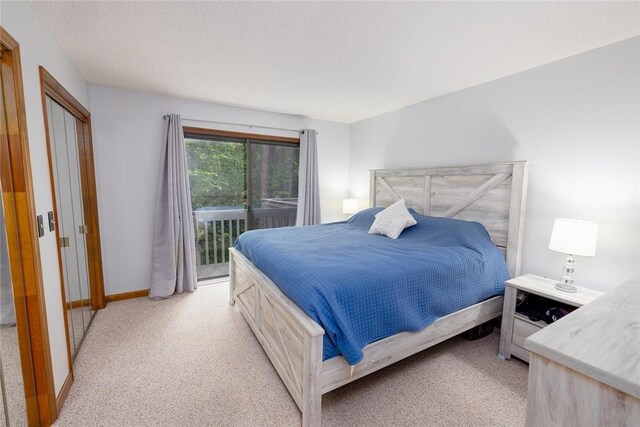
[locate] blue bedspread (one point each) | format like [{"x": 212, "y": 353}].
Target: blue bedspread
[{"x": 361, "y": 287}]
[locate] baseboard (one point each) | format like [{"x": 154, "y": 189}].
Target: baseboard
[
  {"x": 78, "y": 303},
  {"x": 127, "y": 295},
  {"x": 63, "y": 393}
]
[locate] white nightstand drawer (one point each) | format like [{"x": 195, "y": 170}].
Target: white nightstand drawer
[{"x": 521, "y": 330}]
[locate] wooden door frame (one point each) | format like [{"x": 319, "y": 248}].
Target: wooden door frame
[
  {"x": 24, "y": 253},
  {"x": 52, "y": 88}
]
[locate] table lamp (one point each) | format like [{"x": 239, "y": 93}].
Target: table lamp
[
  {"x": 573, "y": 237},
  {"x": 349, "y": 206}
]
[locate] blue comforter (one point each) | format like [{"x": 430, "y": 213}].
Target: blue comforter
[{"x": 361, "y": 287}]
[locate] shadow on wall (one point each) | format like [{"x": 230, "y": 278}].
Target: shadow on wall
[
  {"x": 426, "y": 135},
  {"x": 611, "y": 211},
  {"x": 575, "y": 120},
  {"x": 449, "y": 142}
]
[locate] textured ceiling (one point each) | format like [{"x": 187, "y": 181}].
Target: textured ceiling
[{"x": 342, "y": 61}]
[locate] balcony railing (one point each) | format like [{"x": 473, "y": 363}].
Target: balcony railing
[{"x": 217, "y": 230}]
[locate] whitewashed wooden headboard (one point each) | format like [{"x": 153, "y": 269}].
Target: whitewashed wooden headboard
[{"x": 492, "y": 194}]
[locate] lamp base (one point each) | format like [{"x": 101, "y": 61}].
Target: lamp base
[
  {"x": 567, "y": 281},
  {"x": 565, "y": 287}
]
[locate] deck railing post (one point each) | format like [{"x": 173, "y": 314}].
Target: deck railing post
[{"x": 227, "y": 225}]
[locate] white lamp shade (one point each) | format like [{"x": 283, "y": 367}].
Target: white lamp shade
[
  {"x": 571, "y": 236},
  {"x": 349, "y": 206}
]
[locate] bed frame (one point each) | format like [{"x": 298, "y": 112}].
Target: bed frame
[{"x": 492, "y": 194}]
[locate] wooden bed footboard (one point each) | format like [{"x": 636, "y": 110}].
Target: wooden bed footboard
[
  {"x": 291, "y": 340},
  {"x": 336, "y": 372}
]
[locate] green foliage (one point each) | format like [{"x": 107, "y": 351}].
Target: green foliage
[
  {"x": 217, "y": 172},
  {"x": 274, "y": 172}
]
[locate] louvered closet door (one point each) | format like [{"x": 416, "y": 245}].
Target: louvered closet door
[{"x": 63, "y": 130}]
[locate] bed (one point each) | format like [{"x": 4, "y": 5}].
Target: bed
[{"x": 491, "y": 194}]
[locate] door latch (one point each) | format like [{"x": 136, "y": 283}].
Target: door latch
[
  {"x": 40, "y": 226},
  {"x": 52, "y": 221}
]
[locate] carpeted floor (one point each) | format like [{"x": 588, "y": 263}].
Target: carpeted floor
[
  {"x": 192, "y": 360},
  {"x": 12, "y": 377}
]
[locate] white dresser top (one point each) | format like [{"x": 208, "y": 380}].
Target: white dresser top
[{"x": 600, "y": 340}]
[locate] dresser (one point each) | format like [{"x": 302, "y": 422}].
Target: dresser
[{"x": 585, "y": 368}]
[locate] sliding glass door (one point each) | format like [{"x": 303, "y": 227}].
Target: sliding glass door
[
  {"x": 238, "y": 184},
  {"x": 217, "y": 177},
  {"x": 273, "y": 189}
]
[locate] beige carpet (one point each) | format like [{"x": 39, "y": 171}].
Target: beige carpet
[
  {"x": 192, "y": 360},
  {"x": 12, "y": 372}
]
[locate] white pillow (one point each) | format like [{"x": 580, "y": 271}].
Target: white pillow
[{"x": 391, "y": 221}]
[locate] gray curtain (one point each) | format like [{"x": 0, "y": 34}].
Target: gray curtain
[
  {"x": 308, "y": 185},
  {"x": 174, "y": 252}
]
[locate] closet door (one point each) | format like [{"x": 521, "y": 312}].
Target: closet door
[
  {"x": 70, "y": 216},
  {"x": 79, "y": 225}
]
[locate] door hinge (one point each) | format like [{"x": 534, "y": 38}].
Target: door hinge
[{"x": 64, "y": 242}]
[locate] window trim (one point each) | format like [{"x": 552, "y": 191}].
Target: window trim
[{"x": 238, "y": 135}]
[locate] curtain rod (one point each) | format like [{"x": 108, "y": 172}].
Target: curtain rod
[{"x": 238, "y": 124}]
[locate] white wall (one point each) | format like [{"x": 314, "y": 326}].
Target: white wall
[
  {"x": 576, "y": 120},
  {"x": 38, "y": 47},
  {"x": 127, "y": 132}
]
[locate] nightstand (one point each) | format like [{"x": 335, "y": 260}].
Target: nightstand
[{"x": 517, "y": 327}]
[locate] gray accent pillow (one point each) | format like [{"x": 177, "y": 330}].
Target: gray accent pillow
[{"x": 393, "y": 220}]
